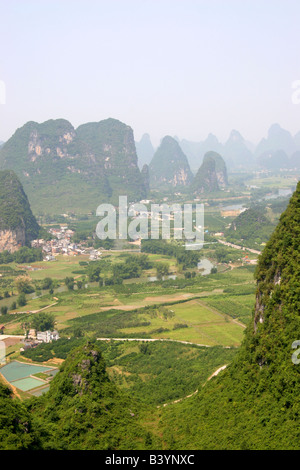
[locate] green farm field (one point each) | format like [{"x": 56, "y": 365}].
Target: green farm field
[{"x": 209, "y": 310}]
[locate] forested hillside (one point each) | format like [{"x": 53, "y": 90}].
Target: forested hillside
[
  {"x": 254, "y": 403},
  {"x": 66, "y": 169},
  {"x": 18, "y": 225}
]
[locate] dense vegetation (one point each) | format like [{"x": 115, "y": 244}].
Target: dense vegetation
[
  {"x": 82, "y": 410},
  {"x": 186, "y": 258},
  {"x": 255, "y": 403},
  {"x": 161, "y": 372},
  {"x": 23, "y": 255},
  {"x": 250, "y": 228},
  {"x": 15, "y": 423},
  {"x": 15, "y": 212},
  {"x": 143, "y": 369},
  {"x": 63, "y": 169}
]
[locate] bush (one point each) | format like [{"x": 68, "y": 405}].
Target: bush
[{"x": 21, "y": 300}]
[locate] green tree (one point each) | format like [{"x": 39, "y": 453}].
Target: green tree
[
  {"x": 23, "y": 284},
  {"x": 43, "y": 321},
  {"x": 94, "y": 273},
  {"x": 47, "y": 283},
  {"x": 21, "y": 300},
  {"x": 162, "y": 269},
  {"x": 69, "y": 281},
  {"x": 4, "y": 310}
]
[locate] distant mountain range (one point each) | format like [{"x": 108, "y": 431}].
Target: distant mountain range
[
  {"x": 169, "y": 169},
  {"x": 63, "y": 169},
  {"x": 278, "y": 150}
]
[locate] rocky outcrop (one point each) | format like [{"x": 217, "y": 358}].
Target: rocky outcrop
[
  {"x": 12, "y": 240},
  {"x": 262, "y": 300}
]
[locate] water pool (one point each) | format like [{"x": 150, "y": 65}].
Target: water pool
[
  {"x": 27, "y": 384},
  {"x": 18, "y": 370}
]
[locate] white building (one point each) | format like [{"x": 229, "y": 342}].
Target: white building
[{"x": 47, "y": 336}]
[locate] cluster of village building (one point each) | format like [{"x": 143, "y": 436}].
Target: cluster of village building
[
  {"x": 34, "y": 338},
  {"x": 62, "y": 243}
]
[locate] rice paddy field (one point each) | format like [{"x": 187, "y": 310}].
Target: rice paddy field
[{"x": 215, "y": 308}]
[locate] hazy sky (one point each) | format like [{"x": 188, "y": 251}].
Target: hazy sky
[{"x": 176, "y": 67}]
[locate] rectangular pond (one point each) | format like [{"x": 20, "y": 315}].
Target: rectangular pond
[
  {"x": 18, "y": 370},
  {"x": 27, "y": 384}
]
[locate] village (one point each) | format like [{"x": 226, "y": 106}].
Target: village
[{"x": 61, "y": 243}]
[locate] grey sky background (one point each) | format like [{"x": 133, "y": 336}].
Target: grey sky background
[{"x": 176, "y": 67}]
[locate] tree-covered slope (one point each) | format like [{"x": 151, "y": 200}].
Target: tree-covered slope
[
  {"x": 65, "y": 169},
  {"x": 251, "y": 227},
  {"x": 15, "y": 423},
  {"x": 15, "y": 212},
  {"x": 84, "y": 410},
  {"x": 255, "y": 402}
]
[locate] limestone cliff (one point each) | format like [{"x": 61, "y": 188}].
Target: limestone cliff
[{"x": 12, "y": 240}]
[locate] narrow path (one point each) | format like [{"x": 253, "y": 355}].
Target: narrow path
[
  {"x": 33, "y": 311},
  {"x": 238, "y": 247},
  {"x": 157, "y": 339},
  {"x": 44, "y": 308},
  {"x": 196, "y": 391}
]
